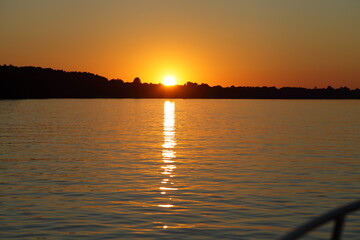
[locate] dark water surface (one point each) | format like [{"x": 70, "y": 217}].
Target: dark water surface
[{"x": 179, "y": 169}]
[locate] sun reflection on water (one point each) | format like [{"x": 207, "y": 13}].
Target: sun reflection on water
[{"x": 168, "y": 157}]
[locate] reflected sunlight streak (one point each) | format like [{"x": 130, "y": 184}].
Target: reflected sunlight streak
[{"x": 168, "y": 155}]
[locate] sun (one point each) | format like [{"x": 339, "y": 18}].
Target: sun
[{"x": 169, "y": 80}]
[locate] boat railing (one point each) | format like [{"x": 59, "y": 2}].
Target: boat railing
[{"x": 337, "y": 215}]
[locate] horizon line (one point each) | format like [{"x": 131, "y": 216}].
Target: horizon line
[{"x": 177, "y": 85}]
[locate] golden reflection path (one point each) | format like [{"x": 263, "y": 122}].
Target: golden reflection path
[{"x": 168, "y": 157}]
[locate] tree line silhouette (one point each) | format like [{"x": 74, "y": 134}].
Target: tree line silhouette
[{"x": 37, "y": 82}]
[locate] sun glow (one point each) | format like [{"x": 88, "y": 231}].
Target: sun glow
[{"x": 169, "y": 81}]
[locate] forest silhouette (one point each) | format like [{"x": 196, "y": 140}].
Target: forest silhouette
[{"x": 37, "y": 82}]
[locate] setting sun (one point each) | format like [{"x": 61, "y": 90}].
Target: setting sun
[{"x": 169, "y": 81}]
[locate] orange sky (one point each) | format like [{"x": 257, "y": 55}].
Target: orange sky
[{"x": 298, "y": 43}]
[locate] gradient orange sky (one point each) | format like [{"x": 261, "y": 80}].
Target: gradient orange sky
[{"x": 298, "y": 43}]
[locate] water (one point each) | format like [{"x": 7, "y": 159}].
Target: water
[{"x": 179, "y": 169}]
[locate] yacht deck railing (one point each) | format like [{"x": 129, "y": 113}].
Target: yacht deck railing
[{"x": 337, "y": 215}]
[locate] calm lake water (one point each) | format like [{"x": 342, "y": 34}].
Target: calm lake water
[{"x": 178, "y": 169}]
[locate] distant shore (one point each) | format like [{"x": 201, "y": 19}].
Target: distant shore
[{"x": 38, "y": 83}]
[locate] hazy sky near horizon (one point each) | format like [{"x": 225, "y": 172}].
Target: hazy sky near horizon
[{"x": 299, "y": 43}]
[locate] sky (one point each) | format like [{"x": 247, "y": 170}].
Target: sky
[{"x": 281, "y": 43}]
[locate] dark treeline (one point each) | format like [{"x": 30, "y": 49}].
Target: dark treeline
[{"x": 36, "y": 82}]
